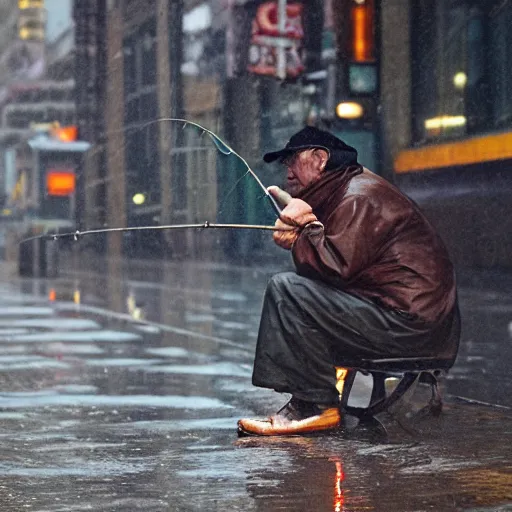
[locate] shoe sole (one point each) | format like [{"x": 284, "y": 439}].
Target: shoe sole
[{"x": 312, "y": 433}]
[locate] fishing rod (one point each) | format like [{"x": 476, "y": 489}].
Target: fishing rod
[
  {"x": 225, "y": 149},
  {"x": 205, "y": 225}
]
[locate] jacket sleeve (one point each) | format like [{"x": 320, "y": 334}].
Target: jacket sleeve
[{"x": 351, "y": 239}]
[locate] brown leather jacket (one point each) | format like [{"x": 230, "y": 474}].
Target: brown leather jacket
[{"x": 375, "y": 243}]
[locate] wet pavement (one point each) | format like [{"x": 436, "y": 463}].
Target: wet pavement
[{"x": 122, "y": 394}]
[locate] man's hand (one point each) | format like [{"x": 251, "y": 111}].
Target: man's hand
[
  {"x": 296, "y": 214},
  {"x": 287, "y": 235}
]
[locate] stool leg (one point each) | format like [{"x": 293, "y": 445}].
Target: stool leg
[
  {"x": 344, "y": 380},
  {"x": 405, "y": 383},
  {"x": 379, "y": 388},
  {"x": 435, "y": 405}
]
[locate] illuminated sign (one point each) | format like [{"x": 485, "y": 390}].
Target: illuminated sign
[
  {"x": 30, "y": 4},
  {"x": 32, "y": 20},
  {"x": 363, "y": 35},
  {"x": 64, "y": 133},
  {"x": 60, "y": 183},
  {"x": 266, "y": 40}
]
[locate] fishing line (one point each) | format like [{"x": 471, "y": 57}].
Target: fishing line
[
  {"x": 219, "y": 144},
  {"x": 206, "y": 225}
]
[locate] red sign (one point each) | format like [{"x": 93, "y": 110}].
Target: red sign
[
  {"x": 65, "y": 133},
  {"x": 266, "y": 40},
  {"x": 60, "y": 183}
]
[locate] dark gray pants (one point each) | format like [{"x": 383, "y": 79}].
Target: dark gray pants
[{"x": 308, "y": 328}]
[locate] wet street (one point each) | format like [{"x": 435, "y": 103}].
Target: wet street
[{"x": 123, "y": 395}]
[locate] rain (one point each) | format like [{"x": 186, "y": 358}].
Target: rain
[{"x": 137, "y": 243}]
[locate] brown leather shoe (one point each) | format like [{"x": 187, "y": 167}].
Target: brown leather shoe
[{"x": 296, "y": 417}]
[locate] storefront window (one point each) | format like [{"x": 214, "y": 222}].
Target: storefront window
[
  {"x": 462, "y": 80},
  {"x": 501, "y": 58}
]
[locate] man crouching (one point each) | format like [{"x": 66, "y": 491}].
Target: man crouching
[{"x": 373, "y": 280}]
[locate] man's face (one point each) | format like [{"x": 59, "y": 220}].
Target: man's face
[{"x": 302, "y": 170}]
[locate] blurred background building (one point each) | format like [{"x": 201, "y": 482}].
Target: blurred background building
[
  {"x": 420, "y": 88},
  {"x": 231, "y": 67},
  {"x": 36, "y": 101},
  {"x": 447, "y": 119}
]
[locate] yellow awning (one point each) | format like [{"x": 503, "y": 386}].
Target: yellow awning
[{"x": 470, "y": 151}]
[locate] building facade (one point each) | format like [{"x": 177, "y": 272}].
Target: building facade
[
  {"x": 36, "y": 98},
  {"x": 229, "y": 67},
  {"x": 446, "y": 83}
]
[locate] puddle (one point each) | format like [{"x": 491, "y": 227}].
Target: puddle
[
  {"x": 49, "y": 399},
  {"x": 169, "y": 351},
  {"x": 103, "y": 336},
  {"x": 25, "y": 311},
  {"x": 222, "y": 369},
  {"x": 53, "y": 323},
  {"x": 118, "y": 361}
]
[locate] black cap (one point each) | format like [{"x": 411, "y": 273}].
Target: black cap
[{"x": 340, "y": 154}]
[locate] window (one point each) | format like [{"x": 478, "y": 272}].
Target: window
[
  {"x": 501, "y": 60},
  {"x": 147, "y": 43},
  {"x": 112, "y": 4},
  {"x": 30, "y": 4},
  {"x": 130, "y": 67},
  {"x": 148, "y": 106},
  {"x": 461, "y": 67}
]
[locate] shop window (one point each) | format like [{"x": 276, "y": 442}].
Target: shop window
[
  {"x": 132, "y": 111},
  {"x": 30, "y": 4},
  {"x": 461, "y": 67},
  {"x": 501, "y": 59},
  {"x": 130, "y": 67},
  {"x": 148, "y": 54},
  {"x": 148, "y": 106}
]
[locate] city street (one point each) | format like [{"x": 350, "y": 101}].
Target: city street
[
  {"x": 156, "y": 158},
  {"x": 123, "y": 395}
]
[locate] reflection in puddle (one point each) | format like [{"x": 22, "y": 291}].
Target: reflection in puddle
[
  {"x": 73, "y": 324},
  {"x": 197, "y": 318},
  {"x": 34, "y": 364},
  {"x": 70, "y": 348},
  {"x": 339, "y": 498},
  {"x": 224, "y": 369},
  {"x": 44, "y": 399},
  {"x": 106, "y": 336},
  {"x": 230, "y": 296},
  {"x": 25, "y": 311},
  {"x": 151, "y": 329},
  {"x": 179, "y": 425},
  {"x": 75, "y": 389},
  {"x": 169, "y": 352},
  {"x": 119, "y": 361},
  {"x": 98, "y": 469},
  {"x": 12, "y": 332}
]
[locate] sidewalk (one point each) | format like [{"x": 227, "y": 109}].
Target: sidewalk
[
  {"x": 100, "y": 411},
  {"x": 481, "y": 371}
]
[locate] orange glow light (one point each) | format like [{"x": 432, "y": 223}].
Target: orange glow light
[
  {"x": 60, "y": 183},
  {"x": 339, "y": 498},
  {"x": 362, "y": 33},
  {"x": 52, "y": 295},
  {"x": 341, "y": 374},
  {"x": 66, "y": 133}
]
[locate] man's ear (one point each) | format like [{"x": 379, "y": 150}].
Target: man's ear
[{"x": 321, "y": 156}]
